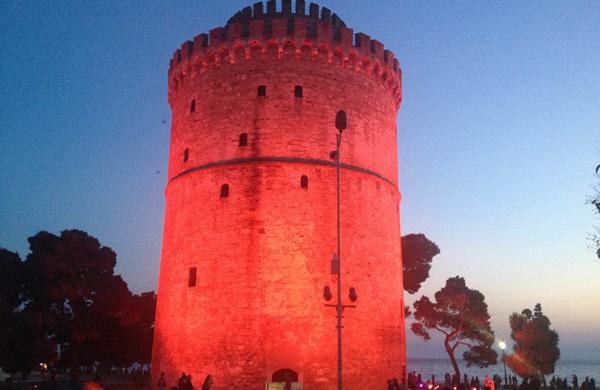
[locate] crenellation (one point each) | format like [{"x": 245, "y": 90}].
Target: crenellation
[
  {"x": 377, "y": 49},
  {"x": 313, "y": 10},
  {"x": 246, "y": 14},
  {"x": 217, "y": 36},
  {"x": 300, "y": 8},
  {"x": 201, "y": 41},
  {"x": 271, "y": 8},
  {"x": 346, "y": 36},
  {"x": 258, "y": 10},
  {"x": 286, "y": 7},
  {"x": 326, "y": 14},
  {"x": 363, "y": 42}
]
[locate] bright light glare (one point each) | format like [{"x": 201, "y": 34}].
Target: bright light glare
[{"x": 501, "y": 345}]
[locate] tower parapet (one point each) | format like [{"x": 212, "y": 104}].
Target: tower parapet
[{"x": 258, "y": 34}]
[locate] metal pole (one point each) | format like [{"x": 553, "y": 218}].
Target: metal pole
[
  {"x": 503, "y": 362},
  {"x": 340, "y": 308}
]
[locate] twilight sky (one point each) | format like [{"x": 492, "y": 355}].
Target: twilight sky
[{"x": 499, "y": 134}]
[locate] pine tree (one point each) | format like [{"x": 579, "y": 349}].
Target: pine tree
[{"x": 535, "y": 351}]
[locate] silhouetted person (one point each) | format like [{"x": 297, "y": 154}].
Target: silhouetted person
[
  {"x": 574, "y": 380},
  {"x": 182, "y": 381},
  {"x": 188, "y": 384},
  {"x": 162, "y": 382},
  {"x": 592, "y": 385},
  {"x": 208, "y": 382}
]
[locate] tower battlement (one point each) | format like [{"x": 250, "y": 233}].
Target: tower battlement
[{"x": 256, "y": 34}]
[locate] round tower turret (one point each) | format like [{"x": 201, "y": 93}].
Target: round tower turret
[{"x": 250, "y": 220}]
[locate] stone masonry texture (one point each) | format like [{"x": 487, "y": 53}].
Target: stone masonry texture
[{"x": 262, "y": 253}]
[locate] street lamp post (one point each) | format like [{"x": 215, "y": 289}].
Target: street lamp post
[
  {"x": 340, "y": 124},
  {"x": 502, "y": 346}
]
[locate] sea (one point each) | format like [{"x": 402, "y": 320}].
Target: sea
[{"x": 563, "y": 369}]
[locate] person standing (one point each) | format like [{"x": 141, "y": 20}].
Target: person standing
[
  {"x": 208, "y": 382},
  {"x": 181, "y": 383},
  {"x": 162, "y": 382}
]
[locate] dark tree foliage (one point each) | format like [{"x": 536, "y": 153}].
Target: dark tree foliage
[
  {"x": 23, "y": 344},
  {"x": 417, "y": 254},
  {"x": 535, "y": 350},
  {"x": 461, "y": 315},
  {"x": 68, "y": 295}
]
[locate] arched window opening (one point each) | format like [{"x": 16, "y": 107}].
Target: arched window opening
[
  {"x": 286, "y": 376},
  {"x": 243, "y": 139},
  {"x": 298, "y": 91},
  {"x": 193, "y": 105},
  {"x": 224, "y": 190},
  {"x": 186, "y": 155},
  {"x": 262, "y": 90},
  {"x": 192, "y": 277},
  {"x": 304, "y": 181}
]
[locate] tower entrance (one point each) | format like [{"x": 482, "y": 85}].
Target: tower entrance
[{"x": 284, "y": 379}]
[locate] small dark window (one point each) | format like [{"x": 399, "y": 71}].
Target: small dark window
[
  {"x": 304, "y": 181},
  {"x": 186, "y": 155},
  {"x": 262, "y": 90},
  {"x": 192, "y": 277},
  {"x": 193, "y": 106},
  {"x": 298, "y": 91},
  {"x": 243, "y": 139},
  {"x": 224, "y": 190}
]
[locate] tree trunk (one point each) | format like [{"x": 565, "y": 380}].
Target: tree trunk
[{"x": 453, "y": 360}]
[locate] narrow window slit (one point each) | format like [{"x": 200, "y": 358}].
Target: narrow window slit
[
  {"x": 224, "y": 190},
  {"x": 192, "y": 277},
  {"x": 304, "y": 181},
  {"x": 243, "y": 139}
]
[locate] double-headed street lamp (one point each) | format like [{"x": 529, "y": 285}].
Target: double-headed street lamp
[{"x": 341, "y": 122}]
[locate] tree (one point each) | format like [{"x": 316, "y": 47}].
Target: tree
[
  {"x": 66, "y": 294},
  {"x": 535, "y": 351},
  {"x": 70, "y": 280},
  {"x": 417, "y": 253},
  {"x": 461, "y": 315},
  {"x": 23, "y": 340}
]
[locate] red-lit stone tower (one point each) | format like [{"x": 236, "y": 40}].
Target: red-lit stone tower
[{"x": 250, "y": 222}]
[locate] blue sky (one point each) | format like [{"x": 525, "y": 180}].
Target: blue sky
[{"x": 499, "y": 134}]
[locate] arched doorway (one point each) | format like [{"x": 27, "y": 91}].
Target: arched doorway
[{"x": 286, "y": 376}]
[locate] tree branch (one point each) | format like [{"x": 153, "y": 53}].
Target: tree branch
[
  {"x": 442, "y": 330},
  {"x": 463, "y": 343}
]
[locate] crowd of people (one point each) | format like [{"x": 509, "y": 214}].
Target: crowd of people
[
  {"x": 184, "y": 382},
  {"x": 416, "y": 382}
]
